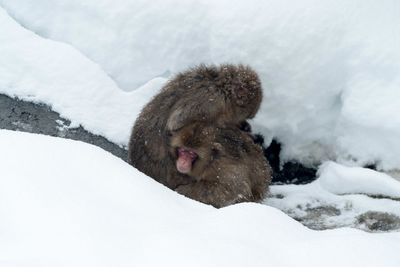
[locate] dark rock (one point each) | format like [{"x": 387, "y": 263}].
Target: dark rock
[
  {"x": 375, "y": 221},
  {"x": 291, "y": 172},
  {"x": 315, "y": 217},
  {"x": 19, "y": 115}
]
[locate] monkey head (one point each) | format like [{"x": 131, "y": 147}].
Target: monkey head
[
  {"x": 192, "y": 148},
  {"x": 224, "y": 95},
  {"x": 200, "y": 149},
  {"x": 243, "y": 89},
  {"x": 222, "y": 166}
]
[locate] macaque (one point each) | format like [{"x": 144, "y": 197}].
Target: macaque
[
  {"x": 225, "y": 166},
  {"x": 189, "y": 137},
  {"x": 225, "y": 96}
]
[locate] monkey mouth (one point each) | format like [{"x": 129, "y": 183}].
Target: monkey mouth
[{"x": 186, "y": 158}]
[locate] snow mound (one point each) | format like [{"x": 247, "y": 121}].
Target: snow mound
[
  {"x": 67, "y": 203},
  {"x": 59, "y": 75},
  {"x": 339, "y": 179}
]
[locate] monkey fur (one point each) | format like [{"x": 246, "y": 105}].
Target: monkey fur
[
  {"x": 224, "y": 96},
  {"x": 228, "y": 167}
]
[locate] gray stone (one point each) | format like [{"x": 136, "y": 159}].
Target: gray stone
[
  {"x": 375, "y": 221},
  {"x": 19, "y": 115}
]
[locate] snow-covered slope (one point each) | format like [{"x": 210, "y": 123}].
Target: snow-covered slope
[
  {"x": 330, "y": 69},
  {"x": 41, "y": 70},
  {"x": 73, "y": 204}
]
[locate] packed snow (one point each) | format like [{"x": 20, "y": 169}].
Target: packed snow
[
  {"x": 330, "y": 69},
  {"x": 73, "y": 204}
]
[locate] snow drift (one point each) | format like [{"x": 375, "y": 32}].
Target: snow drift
[{"x": 73, "y": 204}]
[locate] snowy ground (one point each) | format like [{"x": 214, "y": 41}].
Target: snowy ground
[
  {"x": 331, "y": 79},
  {"x": 73, "y": 204},
  {"x": 342, "y": 196}
]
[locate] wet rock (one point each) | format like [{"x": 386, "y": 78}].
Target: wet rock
[
  {"x": 375, "y": 221},
  {"x": 291, "y": 172},
  {"x": 316, "y": 218},
  {"x": 19, "y": 115}
]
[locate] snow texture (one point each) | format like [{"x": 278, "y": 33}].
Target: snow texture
[
  {"x": 339, "y": 197},
  {"x": 330, "y": 69},
  {"x": 73, "y": 204},
  {"x": 342, "y": 180},
  {"x": 41, "y": 70}
]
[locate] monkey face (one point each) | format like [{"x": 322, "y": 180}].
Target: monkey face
[
  {"x": 192, "y": 148},
  {"x": 186, "y": 158}
]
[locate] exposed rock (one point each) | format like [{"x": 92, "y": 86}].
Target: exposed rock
[
  {"x": 375, "y": 221},
  {"x": 290, "y": 172},
  {"x": 19, "y": 115},
  {"x": 316, "y": 217}
]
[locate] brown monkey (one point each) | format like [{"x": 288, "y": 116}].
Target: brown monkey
[
  {"x": 225, "y": 166},
  {"x": 223, "y": 95},
  {"x": 226, "y": 95}
]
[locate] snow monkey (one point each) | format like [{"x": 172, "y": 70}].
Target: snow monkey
[
  {"x": 225, "y": 166},
  {"x": 225, "y": 96}
]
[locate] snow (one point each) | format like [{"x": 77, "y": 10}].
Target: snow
[
  {"x": 73, "y": 204},
  {"x": 339, "y": 179},
  {"x": 338, "y": 197},
  {"x": 331, "y": 77},
  {"x": 330, "y": 69},
  {"x": 59, "y": 75}
]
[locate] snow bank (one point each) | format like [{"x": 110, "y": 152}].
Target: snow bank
[
  {"x": 41, "y": 70},
  {"x": 330, "y": 68},
  {"x": 67, "y": 203},
  {"x": 339, "y": 179}
]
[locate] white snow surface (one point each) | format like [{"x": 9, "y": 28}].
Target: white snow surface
[
  {"x": 41, "y": 70},
  {"x": 73, "y": 204},
  {"x": 330, "y": 69},
  {"x": 342, "y": 180}
]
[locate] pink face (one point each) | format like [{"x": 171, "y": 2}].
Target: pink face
[{"x": 185, "y": 160}]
